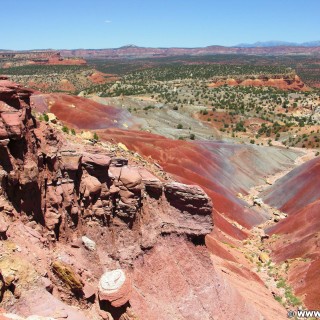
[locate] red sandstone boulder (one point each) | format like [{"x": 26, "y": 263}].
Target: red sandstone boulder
[
  {"x": 88, "y": 291},
  {"x": 115, "y": 286},
  {"x": 152, "y": 184},
  {"x": 130, "y": 177},
  {"x": 13, "y": 124},
  {"x": 4, "y": 107},
  {"x": 90, "y": 159},
  {"x": 52, "y": 217},
  {"x": 96, "y": 165},
  {"x": 30, "y": 173},
  {"x": 70, "y": 160},
  {"x": 54, "y": 195},
  {"x": 91, "y": 186},
  {"x": 188, "y": 198}
]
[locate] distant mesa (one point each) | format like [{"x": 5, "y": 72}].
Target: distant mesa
[
  {"x": 278, "y": 44},
  {"x": 282, "y": 82},
  {"x": 43, "y": 57}
]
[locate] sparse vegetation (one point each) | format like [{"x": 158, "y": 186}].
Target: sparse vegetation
[
  {"x": 65, "y": 129},
  {"x": 243, "y": 112},
  {"x": 45, "y": 117},
  {"x": 291, "y": 298}
]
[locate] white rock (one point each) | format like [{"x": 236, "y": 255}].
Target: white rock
[
  {"x": 257, "y": 201},
  {"x": 88, "y": 243},
  {"x": 112, "y": 281}
]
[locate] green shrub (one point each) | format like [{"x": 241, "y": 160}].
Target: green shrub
[
  {"x": 148, "y": 107},
  {"x": 65, "y": 129}
]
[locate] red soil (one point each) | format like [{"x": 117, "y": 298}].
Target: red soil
[
  {"x": 300, "y": 239},
  {"x": 197, "y": 288},
  {"x": 297, "y": 189},
  {"x": 298, "y": 194},
  {"x": 213, "y": 246},
  {"x": 204, "y": 164},
  {"x": 79, "y": 112}
]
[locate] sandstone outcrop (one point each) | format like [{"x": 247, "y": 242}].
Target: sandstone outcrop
[
  {"x": 188, "y": 198},
  {"x": 64, "y": 193},
  {"x": 283, "y": 82},
  {"x": 58, "y": 184}
]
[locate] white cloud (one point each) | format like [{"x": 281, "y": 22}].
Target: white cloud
[{"x": 107, "y": 21}]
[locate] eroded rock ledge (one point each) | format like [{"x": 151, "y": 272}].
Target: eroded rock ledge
[
  {"x": 283, "y": 82},
  {"x": 71, "y": 193}
]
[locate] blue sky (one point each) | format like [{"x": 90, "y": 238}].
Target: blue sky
[{"x": 35, "y": 24}]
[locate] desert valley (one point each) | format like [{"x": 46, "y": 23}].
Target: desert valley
[{"x": 159, "y": 183}]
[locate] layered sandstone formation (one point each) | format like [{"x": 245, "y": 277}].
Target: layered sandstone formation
[
  {"x": 71, "y": 183},
  {"x": 283, "y": 82},
  {"x": 61, "y": 193}
]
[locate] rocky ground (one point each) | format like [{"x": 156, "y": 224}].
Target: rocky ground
[{"x": 162, "y": 119}]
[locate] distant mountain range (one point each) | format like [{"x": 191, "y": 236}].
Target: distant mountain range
[
  {"x": 133, "y": 51},
  {"x": 278, "y": 44}
]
